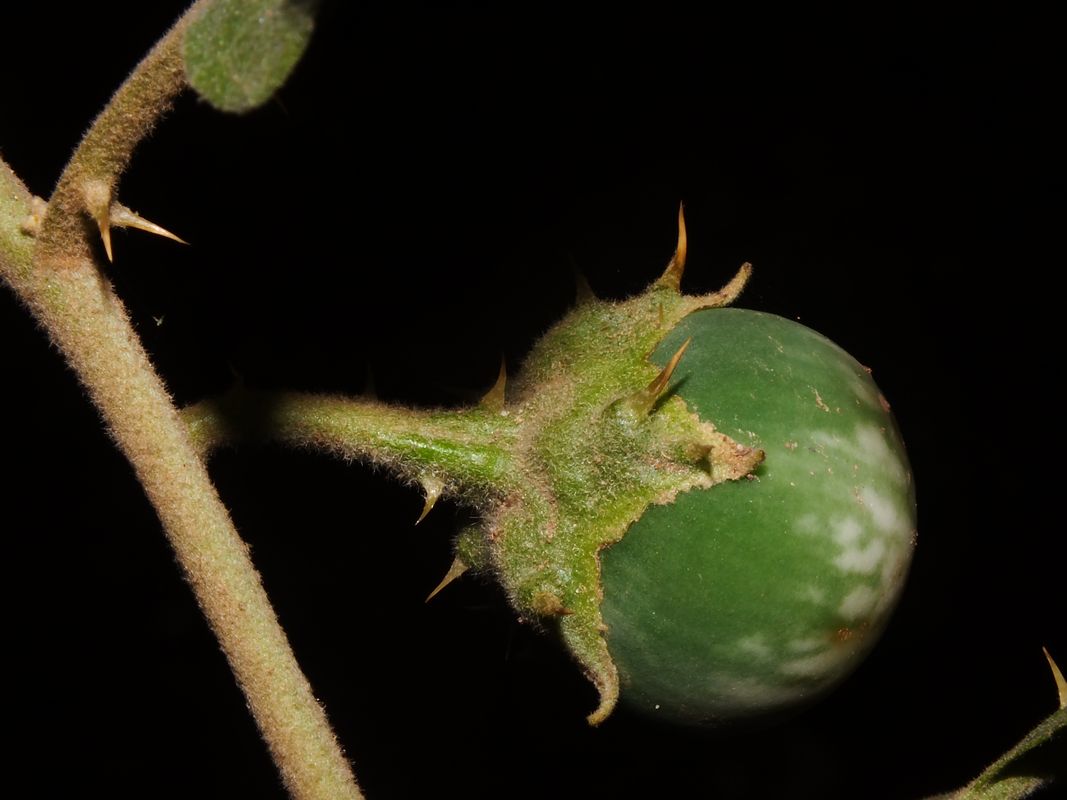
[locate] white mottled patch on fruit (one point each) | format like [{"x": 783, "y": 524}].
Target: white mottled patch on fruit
[
  {"x": 888, "y": 517},
  {"x": 858, "y": 603},
  {"x": 808, "y": 645},
  {"x": 867, "y": 446},
  {"x": 872, "y": 442},
  {"x": 817, "y": 665},
  {"x": 856, "y": 556},
  {"x": 812, "y": 594},
  {"x": 807, "y": 523},
  {"x": 847, "y": 531},
  {"x": 862, "y": 560},
  {"x": 755, "y": 646}
]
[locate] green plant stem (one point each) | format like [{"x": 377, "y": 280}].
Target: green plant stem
[
  {"x": 467, "y": 450},
  {"x": 1032, "y": 764},
  {"x": 58, "y": 278}
]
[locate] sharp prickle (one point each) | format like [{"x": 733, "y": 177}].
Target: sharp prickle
[
  {"x": 123, "y": 217},
  {"x": 493, "y": 400},
  {"x": 672, "y": 276},
  {"x": 432, "y": 487},
  {"x": 454, "y": 571}
]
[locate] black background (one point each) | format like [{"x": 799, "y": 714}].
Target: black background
[{"x": 413, "y": 204}]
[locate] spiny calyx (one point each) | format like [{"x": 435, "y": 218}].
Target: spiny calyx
[
  {"x": 599, "y": 439},
  {"x": 559, "y": 460}
]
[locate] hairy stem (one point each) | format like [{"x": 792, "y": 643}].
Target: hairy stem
[
  {"x": 58, "y": 278},
  {"x": 467, "y": 449}
]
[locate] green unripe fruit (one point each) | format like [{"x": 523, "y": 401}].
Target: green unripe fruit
[
  {"x": 758, "y": 595},
  {"x": 711, "y": 507}
]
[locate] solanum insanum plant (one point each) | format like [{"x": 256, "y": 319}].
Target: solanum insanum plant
[{"x": 712, "y": 507}]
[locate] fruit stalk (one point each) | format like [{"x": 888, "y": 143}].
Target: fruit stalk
[{"x": 468, "y": 453}]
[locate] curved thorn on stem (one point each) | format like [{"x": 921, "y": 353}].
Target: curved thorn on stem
[
  {"x": 123, "y": 217},
  {"x": 97, "y": 196}
]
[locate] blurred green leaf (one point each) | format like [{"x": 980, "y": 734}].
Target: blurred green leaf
[{"x": 239, "y": 52}]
